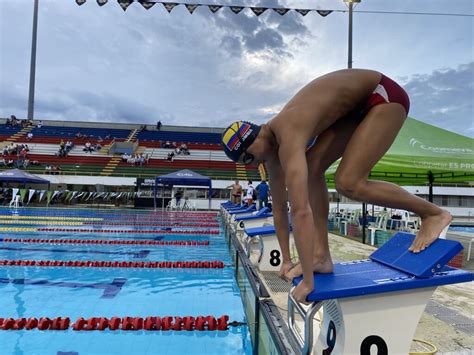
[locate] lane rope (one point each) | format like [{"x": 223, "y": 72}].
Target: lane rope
[
  {"x": 105, "y": 241},
  {"x": 151, "y": 323},
  {"x": 118, "y": 264}
]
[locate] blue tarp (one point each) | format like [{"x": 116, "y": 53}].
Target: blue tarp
[
  {"x": 183, "y": 177},
  {"x": 17, "y": 175}
]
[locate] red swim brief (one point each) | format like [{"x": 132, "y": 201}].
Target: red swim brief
[{"x": 388, "y": 91}]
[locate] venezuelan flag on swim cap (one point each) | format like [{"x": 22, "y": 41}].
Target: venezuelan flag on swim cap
[{"x": 238, "y": 137}]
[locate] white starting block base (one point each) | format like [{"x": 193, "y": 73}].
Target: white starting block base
[
  {"x": 376, "y": 324},
  {"x": 373, "y": 306},
  {"x": 270, "y": 257}
]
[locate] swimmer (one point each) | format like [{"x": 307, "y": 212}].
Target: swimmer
[{"x": 354, "y": 114}]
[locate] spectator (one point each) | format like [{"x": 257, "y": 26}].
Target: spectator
[
  {"x": 79, "y": 135},
  {"x": 47, "y": 169},
  {"x": 173, "y": 145},
  {"x": 29, "y": 136},
  {"x": 170, "y": 156},
  {"x": 5, "y": 150},
  {"x": 167, "y": 144},
  {"x": 35, "y": 163},
  {"x": 23, "y": 153},
  {"x": 158, "y": 125},
  {"x": 262, "y": 190},
  {"x": 10, "y": 163},
  {"x": 8, "y": 122},
  {"x": 68, "y": 146},
  {"x": 3, "y": 162},
  {"x": 147, "y": 157},
  {"x": 178, "y": 195},
  {"x": 250, "y": 194},
  {"x": 88, "y": 147},
  {"x": 14, "y": 121},
  {"x": 125, "y": 157},
  {"x": 141, "y": 160},
  {"x": 39, "y": 124},
  {"x": 26, "y": 162}
]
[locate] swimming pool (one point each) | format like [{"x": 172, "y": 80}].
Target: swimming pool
[
  {"x": 63, "y": 235},
  {"x": 464, "y": 229}
]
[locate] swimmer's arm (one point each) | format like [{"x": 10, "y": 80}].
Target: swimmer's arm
[
  {"x": 279, "y": 208},
  {"x": 294, "y": 164}
]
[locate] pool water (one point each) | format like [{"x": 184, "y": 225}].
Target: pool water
[
  {"x": 464, "y": 229},
  {"x": 31, "y": 291}
]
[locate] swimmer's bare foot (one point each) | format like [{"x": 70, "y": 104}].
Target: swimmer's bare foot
[
  {"x": 431, "y": 228},
  {"x": 321, "y": 266},
  {"x": 285, "y": 267}
]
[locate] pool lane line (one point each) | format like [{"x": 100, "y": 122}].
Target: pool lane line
[
  {"x": 137, "y": 254},
  {"x": 34, "y": 222},
  {"x": 215, "y": 225},
  {"x": 139, "y": 231},
  {"x": 215, "y": 264},
  {"x": 110, "y": 289},
  {"x": 114, "y": 231},
  {"x": 51, "y": 218},
  {"x": 105, "y": 241}
]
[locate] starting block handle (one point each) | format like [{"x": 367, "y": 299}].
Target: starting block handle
[{"x": 306, "y": 343}]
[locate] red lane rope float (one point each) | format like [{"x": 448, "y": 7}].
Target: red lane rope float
[
  {"x": 77, "y": 230},
  {"x": 152, "y": 224},
  {"x": 105, "y": 241},
  {"x": 151, "y": 323},
  {"x": 118, "y": 264}
]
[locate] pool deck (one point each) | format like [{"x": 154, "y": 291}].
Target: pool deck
[{"x": 451, "y": 307}]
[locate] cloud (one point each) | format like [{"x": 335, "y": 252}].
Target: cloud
[{"x": 444, "y": 98}]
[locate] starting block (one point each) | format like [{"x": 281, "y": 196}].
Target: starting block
[
  {"x": 255, "y": 220},
  {"x": 375, "y": 303},
  {"x": 270, "y": 252},
  {"x": 247, "y": 211}
]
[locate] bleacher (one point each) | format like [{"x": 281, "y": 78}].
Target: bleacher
[
  {"x": 7, "y": 131},
  {"x": 206, "y": 155},
  {"x": 53, "y": 134}
]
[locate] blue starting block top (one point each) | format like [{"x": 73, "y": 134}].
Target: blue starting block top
[
  {"x": 391, "y": 268},
  {"x": 395, "y": 253},
  {"x": 263, "y": 213},
  {"x": 265, "y": 230},
  {"x": 243, "y": 210}
]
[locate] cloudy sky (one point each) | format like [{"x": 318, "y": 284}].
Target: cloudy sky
[{"x": 103, "y": 64}]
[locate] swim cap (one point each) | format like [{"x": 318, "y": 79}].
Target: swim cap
[{"x": 238, "y": 137}]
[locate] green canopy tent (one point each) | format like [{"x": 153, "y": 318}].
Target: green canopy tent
[{"x": 423, "y": 154}]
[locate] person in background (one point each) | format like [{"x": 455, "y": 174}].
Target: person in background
[
  {"x": 236, "y": 193},
  {"x": 178, "y": 195},
  {"x": 251, "y": 194},
  {"x": 262, "y": 190},
  {"x": 158, "y": 125}
]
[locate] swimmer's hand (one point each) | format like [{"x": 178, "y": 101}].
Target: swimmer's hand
[
  {"x": 286, "y": 266},
  {"x": 302, "y": 290}
]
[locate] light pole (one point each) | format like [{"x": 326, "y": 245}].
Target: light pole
[
  {"x": 31, "y": 96},
  {"x": 350, "y": 4}
]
